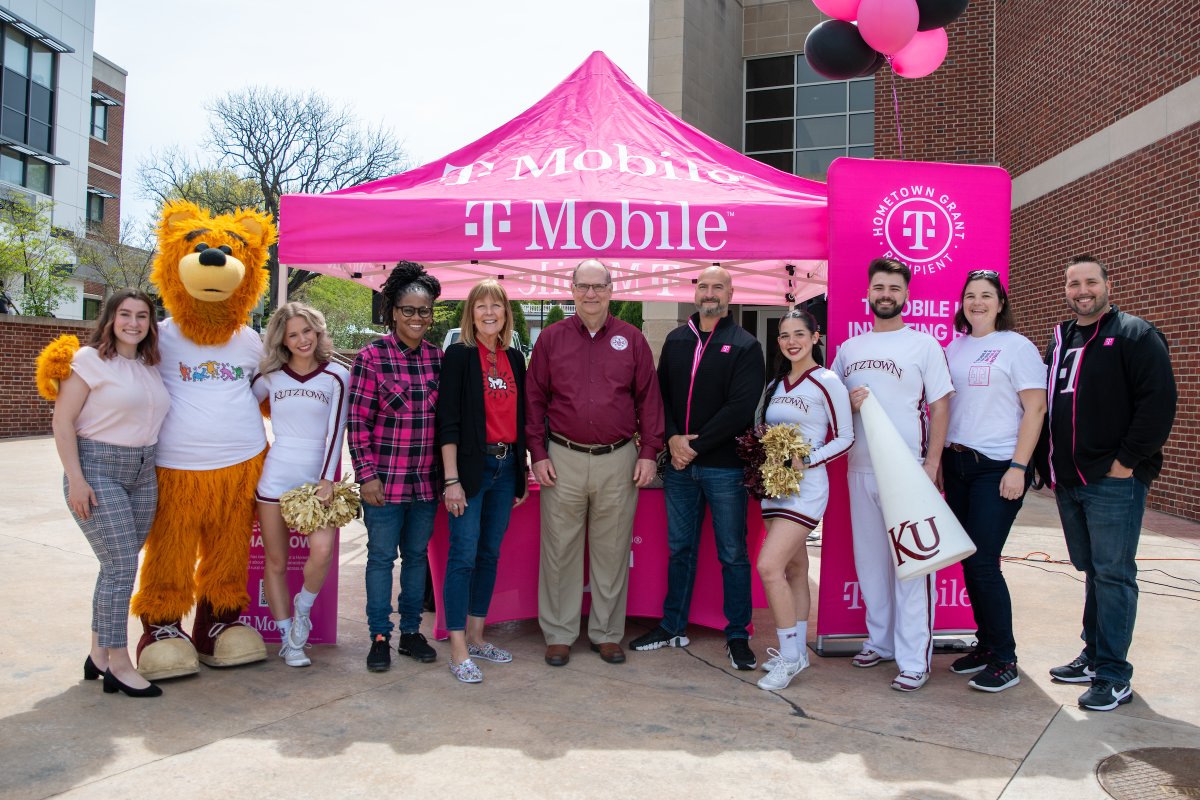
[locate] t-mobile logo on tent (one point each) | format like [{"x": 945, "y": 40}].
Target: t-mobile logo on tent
[{"x": 920, "y": 226}]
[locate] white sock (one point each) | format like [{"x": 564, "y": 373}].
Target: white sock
[
  {"x": 802, "y": 632},
  {"x": 305, "y": 600},
  {"x": 285, "y": 627},
  {"x": 789, "y": 644}
]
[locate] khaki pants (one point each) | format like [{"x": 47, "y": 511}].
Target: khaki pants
[{"x": 595, "y": 495}]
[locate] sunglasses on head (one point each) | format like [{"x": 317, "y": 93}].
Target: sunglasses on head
[{"x": 982, "y": 273}]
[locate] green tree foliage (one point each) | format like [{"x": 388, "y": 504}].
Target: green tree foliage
[
  {"x": 446, "y": 315},
  {"x": 519, "y": 324},
  {"x": 554, "y": 315},
  {"x": 35, "y": 254},
  {"x": 173, "y": 175},
  {"x": 631, "y": 312},
  {"x": 347, "y": 309}
]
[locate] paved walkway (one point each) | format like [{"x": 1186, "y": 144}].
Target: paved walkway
[{"x": 680, "y": 723}]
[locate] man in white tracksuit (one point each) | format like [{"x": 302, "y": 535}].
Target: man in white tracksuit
[{"x": 906, "y": 371}]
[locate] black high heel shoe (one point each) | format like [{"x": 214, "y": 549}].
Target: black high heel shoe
[
  {"x": 90, "y": 671},
  {"x": 112, "y": 685}
]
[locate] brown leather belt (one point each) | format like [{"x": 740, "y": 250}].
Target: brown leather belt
[
  {"x": 591, "y": 450},
  {"x": 500, "y": 450}
]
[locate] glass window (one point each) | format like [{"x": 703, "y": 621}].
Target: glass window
[
  {"x": 15, "y": 89},
  {"x": 815, "y": 163},
  {"x": 826, "y": 98},
  {"x": 37, "y": 175},
  {"x": 12, "y": 124},
  {"x": 12, "y": 167},
  {"x": 16, "y": 52},
  {"x": 40, "y": 101},
  {"x": 862, "y": 95},
  {"x": 769, "y": 135},
  {"x": 100, "y": 121},
  {"x": 95, "y": 208},
  {"x": 781, "y": 161},
  {"x": 91, "y": 308},
  {"x": 863, "y": 152},
  {"x": 42, "y": 68},
  {"x": 763, "y": 72},
  {"x": 769, "y": 104},
  {"x": 806, "y": 74},
  {"x": 862, "y": 128},
  {"x": 39, "y": 136},
  {"x": 820, "y": 131}
]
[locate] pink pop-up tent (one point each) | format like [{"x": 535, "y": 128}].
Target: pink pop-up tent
[{"x": 596, "y": 168}]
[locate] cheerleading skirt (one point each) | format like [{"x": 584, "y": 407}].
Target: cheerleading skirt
[
  {"x": 290, "y": 463},
  {"x": 805, "y": 507}
]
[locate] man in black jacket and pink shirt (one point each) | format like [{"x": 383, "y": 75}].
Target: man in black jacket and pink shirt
[
  {"x": 1111, "y": 406},
  {"x": 711, "y": 376}
]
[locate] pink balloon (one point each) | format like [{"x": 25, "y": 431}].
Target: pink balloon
[
  {"x": 922, "y": 55},
  {"x": 839, "y": 9},
  {"x": 888, "y": 25}
]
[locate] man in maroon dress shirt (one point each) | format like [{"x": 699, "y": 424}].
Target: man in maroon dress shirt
[{"x": 591, "y": 386}]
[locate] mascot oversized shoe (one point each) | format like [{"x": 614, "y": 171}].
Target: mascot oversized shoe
[
  {"x": 165, "y": 651},
  {"x": 223, "y": 641}
]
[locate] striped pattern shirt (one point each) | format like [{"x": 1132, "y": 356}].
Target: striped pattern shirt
[{"x": 393, "y": 399}]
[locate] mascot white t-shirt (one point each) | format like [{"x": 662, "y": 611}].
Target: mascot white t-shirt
[{"x": 214, "y": 420}]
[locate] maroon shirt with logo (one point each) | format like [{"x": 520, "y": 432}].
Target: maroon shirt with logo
[{"x": 593, "y": 390}]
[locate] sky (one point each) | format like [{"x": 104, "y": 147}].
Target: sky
[{"x": 439, "y": 73}]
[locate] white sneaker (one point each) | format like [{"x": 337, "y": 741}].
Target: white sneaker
[
  {"x": 301, "y": 626},
  {"x": 909, "y": 681},
  {"x": 293, "y": 656},
  {"x": 782, "y": 673}
]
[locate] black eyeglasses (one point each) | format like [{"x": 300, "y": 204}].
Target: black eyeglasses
[
  {"x": 583, "y": 288},
  {"x": 424, "y": 312},
  {"x": 982, "y": 273}
]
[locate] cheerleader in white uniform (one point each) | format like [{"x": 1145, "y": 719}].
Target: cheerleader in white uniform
[
  {"x": 806, "y": 394},
  {"x": 307, "y": 393}
]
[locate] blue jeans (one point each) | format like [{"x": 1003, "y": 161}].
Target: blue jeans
[
  {"x": 1102, "y": 523},
  {"x": 687, "y": 492},
  {"x": 972, "y": 482},
  {"x": 475, "y": 544},
  {"x": 392, "y": 528}
]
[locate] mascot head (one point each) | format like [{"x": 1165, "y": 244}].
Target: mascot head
[{"x": 209, "y": 270}]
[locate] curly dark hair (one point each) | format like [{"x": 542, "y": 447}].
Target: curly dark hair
[{"x": 407, "y": 276}]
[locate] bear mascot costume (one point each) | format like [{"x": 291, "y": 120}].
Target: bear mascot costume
[{"x": 209, "y": 274}]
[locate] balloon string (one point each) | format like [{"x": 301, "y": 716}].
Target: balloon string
[{"x": 896, "y": 108}]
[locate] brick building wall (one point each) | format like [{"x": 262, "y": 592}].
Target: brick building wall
[
  {"x": 107, "y": 154},
  {"x": 22, "y": 411}
]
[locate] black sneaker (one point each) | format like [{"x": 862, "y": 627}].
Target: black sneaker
[
  {"x": 1078, "y": 671},
  {"x": 414, "y": 645},
  {"x": 658, "y": 638},
  {"x": 972, "y": 662},
  {"x": 380, "y": 657},
  {"x": 1105, "y": 695},
  {"x": 995, "y": 677},
  {"x": 740, "y": 654}
]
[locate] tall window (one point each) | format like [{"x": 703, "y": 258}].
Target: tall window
[
  {"x": 100, "y": 120},
  {"x": 95, "y": 208},
  {"x": 27, "y": 78},
  {"x": 799, "y": 121}
]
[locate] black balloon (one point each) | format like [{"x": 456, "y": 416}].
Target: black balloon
[
  {"x": 876, "y": 65},
  {"x": 836, "y": 50},
  {"x": 939, "y": 13}
]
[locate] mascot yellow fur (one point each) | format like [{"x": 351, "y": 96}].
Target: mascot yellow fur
[{"x": 211, "y": 449}]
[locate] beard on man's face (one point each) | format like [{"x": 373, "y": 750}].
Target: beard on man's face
[{"x": 889, "y": 310}]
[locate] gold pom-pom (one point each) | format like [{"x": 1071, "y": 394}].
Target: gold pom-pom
[
  {"x": 54, "y": 365},
  {"x": 304, "y": 513},
  {"x": 782, "y": 443}
]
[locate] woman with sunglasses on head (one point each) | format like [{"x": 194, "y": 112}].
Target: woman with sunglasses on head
[
  {"x": 393, "y": 400},
  {"x": 806, "y": 394},
  {"x": 106, "y": 421},
  {"x": 481, "y": 428},
  {"x": 995, "y": 419},
  {"x": 307, "y": 393}
]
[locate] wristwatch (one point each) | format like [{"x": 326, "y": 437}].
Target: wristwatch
[{"x": 805, "y": 460}]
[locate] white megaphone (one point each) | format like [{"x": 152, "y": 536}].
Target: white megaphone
[{"x": 923, "y": 532}]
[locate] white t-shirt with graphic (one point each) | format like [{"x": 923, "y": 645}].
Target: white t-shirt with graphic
[
  {"x": 988, "y": 371},
  {"x": 214, "y": 419},
  {"x": 905, "y": 370}
]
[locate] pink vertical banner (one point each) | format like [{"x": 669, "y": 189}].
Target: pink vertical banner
[
  {"x": 324, "y": 614},
  {"x": 942, "y": 220}
]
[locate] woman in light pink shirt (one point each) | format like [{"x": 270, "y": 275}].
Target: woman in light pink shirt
[{"x": 106, "y": 422}]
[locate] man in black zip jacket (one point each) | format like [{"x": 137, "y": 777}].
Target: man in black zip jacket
[
  {"x": 1111, "y": 406},
  {"x": 711, "y": 375}
]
